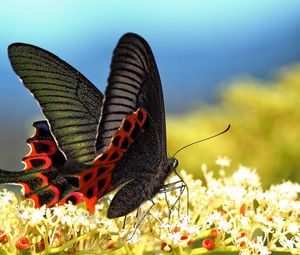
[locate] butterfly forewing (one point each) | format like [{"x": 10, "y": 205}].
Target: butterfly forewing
[
  {"x": 133, "y": 82},
  {"x": 70, "y": 102}
]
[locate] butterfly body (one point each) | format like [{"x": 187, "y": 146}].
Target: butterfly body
[
  {"x": 91, "y": 142},
  {"x": 140, "y": 189}
]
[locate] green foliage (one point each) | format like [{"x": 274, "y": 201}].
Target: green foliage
[{"x": 265, "y": 128}]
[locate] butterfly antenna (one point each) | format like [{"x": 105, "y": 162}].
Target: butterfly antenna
[
  {"x": 184, "y": 147},
  {"x": 188, "y": 145}
]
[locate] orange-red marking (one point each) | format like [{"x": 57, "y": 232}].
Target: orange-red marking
[{"x": 96, "y": 181}]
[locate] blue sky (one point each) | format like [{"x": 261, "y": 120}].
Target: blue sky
[{"x": 198, "y": 44}]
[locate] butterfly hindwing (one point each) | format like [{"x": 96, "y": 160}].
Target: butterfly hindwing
[
  {"x": 40, "y": 180},
  {"x": 57, "y": 190},
  {"x": 44, "y": 152},
  {"x": 70, "y": 102}
]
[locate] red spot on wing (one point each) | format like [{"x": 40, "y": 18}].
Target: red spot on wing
[
  {"x": 36, "y": 200},
  {"x": 95, "y": 182},
  {"x": 44, "y": 152},
  {"x": 26, "y": 189},
  {"x": 56, "y": 195},
  {"x": 26, "y": 183},
  {"x": 43, "y": 155},
  {"x": 74, "y": 197},
  {"x": 90, "y": 203},
  {"x": 44, "y": 178},
  {"x": 43, "y": 162}
]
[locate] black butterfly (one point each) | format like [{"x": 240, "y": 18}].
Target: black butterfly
[{"x": 98, "y": 142}]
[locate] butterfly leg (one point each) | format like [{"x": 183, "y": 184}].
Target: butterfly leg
[
  {"x": 142, "y": 219},
  {"x": 124, "y": 222},
  {"x": 171, "y": 187}
]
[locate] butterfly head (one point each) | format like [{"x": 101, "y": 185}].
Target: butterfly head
[{"x": 173, "y": 163}]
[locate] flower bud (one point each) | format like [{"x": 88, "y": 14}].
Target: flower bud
[
  {"x": 3, "y": 237},
  {"x": 23, "y": 243},
  {"x": 208, "y": 244}
]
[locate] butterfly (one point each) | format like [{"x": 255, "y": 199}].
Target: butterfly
[{"x": 92, "y": 143}]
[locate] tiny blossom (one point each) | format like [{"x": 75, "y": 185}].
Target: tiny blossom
[
  {"x": 58, "y": 211},
  {"x": 223, "y": 161},
  {"x": 156, "y": 214},
  {"x": 8, "y": 197},
  {"x": 246, "y": 176},
  {"x": 293, "y": 228},
  {"x": 214, "y": 216},
  {"x": 24, "y": 215},
  {"x": 224, "y": 225},
  {"x": 174, "y": 238},
  {"x": 67, "y": 219},
  {"x": 37, "y": 215},
  {"x": 134, "y": 236}
]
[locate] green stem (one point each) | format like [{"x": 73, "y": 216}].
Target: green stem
[
  {"x": 4, "y": 252},
  {"x": 141, "y": 247},
  {"x": 90, "y": 252},
  {"x": 204, "y": 234},
  {"x": 228, "y": 240},
  {"x": 69, "y": 244},
  {"x": 214, "y": 251},
  {"x": 280, "y": 249},
  {"x": 128, "y": 250},
  {"x": 46, "y": 239}
]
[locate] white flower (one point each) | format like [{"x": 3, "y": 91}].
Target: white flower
[
  {"x": 224, "y": 225},
  {"x": 174, "y": 237},
  {"x": 133, "y": 236},
  {"x": 58, "y": 211},
  {"x": 157, "y": 214},
  {"x": 37, "y": 215},
  {"x": 23, "y": 214},
  {"x": 66, "y": 219},
  {"x": 193, "y": 230},
  {"x": 245, "y": 222},
  {"x": 261, "y": 219},
  {"x": 293, "y": 228},
  {"x": 246, "y": 176},
  {"x": 70, "y": 208},
  {"x": 264, "y": 250},
  {"x": 215, "y": 216},
  {"x": 223, "y": 161},
  {"x": 245, "y": 252},
  {"x": 8, "y": 197}
]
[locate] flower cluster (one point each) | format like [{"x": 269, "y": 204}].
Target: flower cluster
[{"x": 227, "y": 213}]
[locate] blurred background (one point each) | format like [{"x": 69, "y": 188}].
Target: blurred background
[{"x": 221, "y": 62}]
